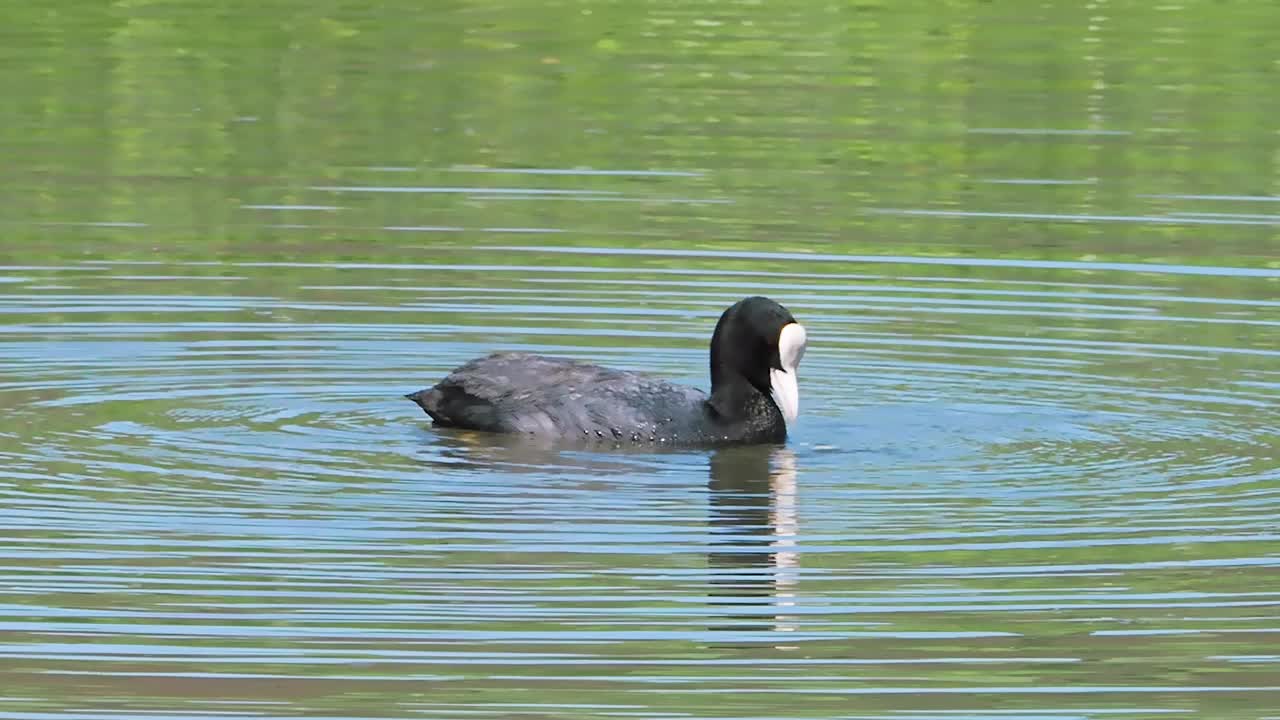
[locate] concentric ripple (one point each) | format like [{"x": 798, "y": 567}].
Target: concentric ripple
[{"x": 1035, "y": 488}]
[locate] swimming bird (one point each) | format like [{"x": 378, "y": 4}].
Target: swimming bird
[{"x": 755, "y": 352}]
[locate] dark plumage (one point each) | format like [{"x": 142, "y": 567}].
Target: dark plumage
[{"x": 755, "y": 350}]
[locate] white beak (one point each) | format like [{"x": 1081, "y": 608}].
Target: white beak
[{"x": 783, "y": 386}]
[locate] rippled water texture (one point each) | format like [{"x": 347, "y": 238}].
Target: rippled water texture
[
  {"x": 1037, "y": 490},
  {"x": 1035, "y": 474}
]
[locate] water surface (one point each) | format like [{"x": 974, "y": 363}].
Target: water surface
[{"x": 1035, "y": 473}]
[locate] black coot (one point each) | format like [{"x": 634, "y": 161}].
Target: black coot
[{"x": 755, "y": 351}]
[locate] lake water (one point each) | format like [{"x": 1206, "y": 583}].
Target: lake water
[{"x": 1035, "y": 474}]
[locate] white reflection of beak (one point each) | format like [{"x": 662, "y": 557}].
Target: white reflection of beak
[{"x": 783, "y": 387}]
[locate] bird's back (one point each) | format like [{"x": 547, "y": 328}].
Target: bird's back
[{"x": 550, "y": 397}]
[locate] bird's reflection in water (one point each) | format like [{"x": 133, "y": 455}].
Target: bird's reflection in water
[
  {"x": 522, "y": 455},
  {"x": 753, "y": 561}
]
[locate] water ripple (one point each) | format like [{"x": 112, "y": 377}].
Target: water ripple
[{"x": 1030, "y": 474}]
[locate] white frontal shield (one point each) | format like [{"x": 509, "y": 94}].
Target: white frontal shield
[{"x": 783, "y": 386}]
